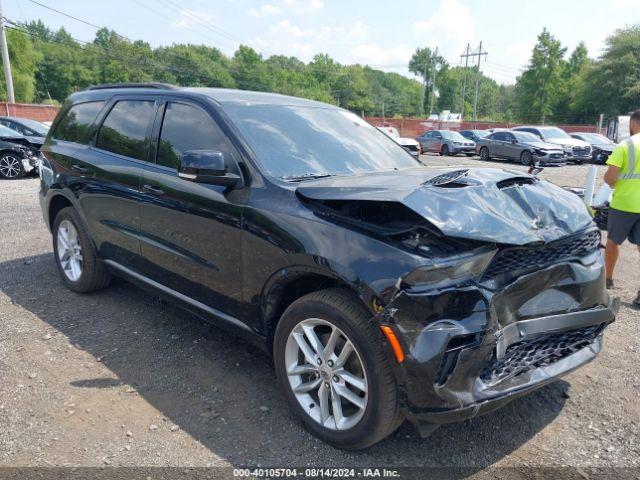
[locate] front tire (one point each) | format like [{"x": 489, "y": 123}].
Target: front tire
[
  {"x": 79, "y": 266},
  {"x": 484, "y": 154},
  {"x": 444, "y": 151},
  {"x": 526, "y": 158},
  {"x": 11, "y": 166},
  {"x": 331, "y": 363}
]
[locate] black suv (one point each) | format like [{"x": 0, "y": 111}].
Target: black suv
[{"x": 384, "y": 290}]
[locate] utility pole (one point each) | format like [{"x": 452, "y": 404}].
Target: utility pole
[
  {"x": 5, "y": 59},
  {"x": 475, "y": 100},
  {"x": 434, "y": 70},
  {"x": 424, "y": 87},
  {"x": 464, "y": 81}
]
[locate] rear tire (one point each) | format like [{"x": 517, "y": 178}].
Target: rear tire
[
  {"x": 325, "y": 312},
  {"x": 76, "y": 257},
  {"x": 11, "y": 166}
]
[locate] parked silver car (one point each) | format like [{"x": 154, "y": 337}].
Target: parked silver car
[
  {"x": 446, "y": 142},
  {"x": 523, "y": 147},
  {"x": 577, "y": 151}
]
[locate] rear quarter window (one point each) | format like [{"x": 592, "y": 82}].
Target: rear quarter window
[{"x": 76, "y": 124}]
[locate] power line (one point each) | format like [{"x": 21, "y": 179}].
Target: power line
[{"x": 66, "y": 14}]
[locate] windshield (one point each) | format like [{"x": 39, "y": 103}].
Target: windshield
[
  {"x": 525, "y": 137},
  {"x": 595, "y": 138},
  {"x": 35, "y": 126},
  {"x": 481, "y": 133},
  {"x": 294, "y": 141},
  {"x": 553, "y": 132},
  {"x": 450, "y": 135},
  {"x": 7, "y": 132}
]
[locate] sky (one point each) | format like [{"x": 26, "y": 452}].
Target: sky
[{"x": 379, "y": 33}]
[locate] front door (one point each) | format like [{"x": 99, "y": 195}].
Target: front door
[{"x": 191, "y": 232}]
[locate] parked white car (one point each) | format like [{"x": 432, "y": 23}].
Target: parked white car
[
  {"x": 409, "y": 144},
  {"x": 577, "y": 151}
]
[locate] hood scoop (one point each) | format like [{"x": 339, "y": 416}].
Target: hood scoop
[
  {"x": 447, "y": 179},
  {"x": 515, "y": 182}
]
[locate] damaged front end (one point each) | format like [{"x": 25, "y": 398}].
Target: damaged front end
[{"x": 510, "y": 296}]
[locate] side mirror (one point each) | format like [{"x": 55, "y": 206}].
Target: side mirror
[{"x": 206, "y": 166}]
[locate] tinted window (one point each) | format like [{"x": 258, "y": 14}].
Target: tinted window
[
  {"x": 125, "y": 128},
  {"x": 35, "y": 128},
  {"x": 499, "y": 136},
  {"x": 74, "y": 126},
  {"x": 186, "y": 127}
]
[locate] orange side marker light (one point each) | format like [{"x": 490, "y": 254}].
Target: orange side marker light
[{"x": 393, "y": 341}]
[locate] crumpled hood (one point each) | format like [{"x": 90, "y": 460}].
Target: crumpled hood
[
  {"x": 406, "y": 141},
  {"x": 494, "y": 205}
]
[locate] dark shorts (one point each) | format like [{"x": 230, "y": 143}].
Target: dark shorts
[{"x": 623, "y": 226}]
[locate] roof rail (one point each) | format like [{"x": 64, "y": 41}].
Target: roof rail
[{"x": 157, "y": 85}]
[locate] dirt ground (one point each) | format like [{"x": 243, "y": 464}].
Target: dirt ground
[{"x": 119, "y": 378}]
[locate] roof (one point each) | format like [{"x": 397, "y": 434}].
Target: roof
[
  {"x": 231, "y": 96},
  {"x": 225, "y": 96}
]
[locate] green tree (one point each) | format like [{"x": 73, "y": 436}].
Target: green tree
[
  {"x": 611, "y": 85},
  {"x": 539, "y": 87},
  {"x": 24, "y": 59},
  {"x": 426, "y": 64}
]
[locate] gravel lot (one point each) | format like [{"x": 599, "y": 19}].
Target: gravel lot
[{"x": 120, "y": 378}]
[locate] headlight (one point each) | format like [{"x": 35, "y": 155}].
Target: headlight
[
  {"x": 451, "y": 271},
  {"x": 540, "y": 152},
  {"x": 457, "y": 143}
]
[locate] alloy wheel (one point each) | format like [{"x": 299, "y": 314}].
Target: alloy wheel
[
  {"x": 326, "y": 374},
  {"x": 69, "y": 250},
  {"x": 9, "y": 166},
  {"x": 525, "y": 158},
  {"x": 484, "y": 154}
]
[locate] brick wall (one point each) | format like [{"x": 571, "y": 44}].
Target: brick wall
[
  {"x": 414, "y": 127},
  {"x": 41, "y": 113}
]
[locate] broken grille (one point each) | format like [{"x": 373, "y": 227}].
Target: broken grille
[
  {"x": 532, "y": 258},
  {"x": 538, "y": 352}
]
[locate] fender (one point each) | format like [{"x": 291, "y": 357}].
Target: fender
[{"x": 275, "y": 285}]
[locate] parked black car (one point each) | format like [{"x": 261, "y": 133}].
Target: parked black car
[
  {"x": 474, "y": 135},
  {"x": 522, "y": 147},
  {"x": 384, "y": 290},
  {"x": 601, "y": 146},
  {"x": 25, "y": 126},
  {"x": 19, "y": 155}
]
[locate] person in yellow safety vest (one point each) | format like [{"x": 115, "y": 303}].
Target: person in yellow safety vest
[{"x": 623, "y": 175}]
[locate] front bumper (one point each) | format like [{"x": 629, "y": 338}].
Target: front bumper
[
  {"x": 551, "y": 159},
  {"x": 462, "y": 149},
  {"x": 460, "y": 344}
]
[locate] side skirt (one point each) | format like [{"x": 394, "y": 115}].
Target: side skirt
[{"x": 221, "y": 319}]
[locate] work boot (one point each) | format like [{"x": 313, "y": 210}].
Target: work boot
[
  {"x": 609, "y": 283},
  {"x": 636, "y": 302}
]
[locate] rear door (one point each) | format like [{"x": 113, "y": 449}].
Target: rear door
[
  {"x": 105, "y": 176},
  {"x": 191, "y": 232}
]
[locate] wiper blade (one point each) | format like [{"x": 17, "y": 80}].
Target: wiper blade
[{"x": 306, "y": 176}]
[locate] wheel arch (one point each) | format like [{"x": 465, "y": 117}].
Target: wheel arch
[{"x": 292, "y": 283}]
